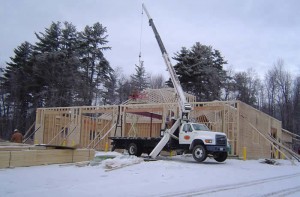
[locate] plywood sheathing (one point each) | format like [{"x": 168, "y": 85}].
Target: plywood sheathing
[{"x": 257, "y": 146}]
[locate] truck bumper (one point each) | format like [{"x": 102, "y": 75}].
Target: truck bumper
[{"x": 216, "y": 148}]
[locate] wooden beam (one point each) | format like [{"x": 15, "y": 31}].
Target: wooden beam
[
  {"x": 94, "y": 111},
  {"x": 148, "y": 114},
  {"x": 144, "y": 110},
  {"x": 208, "y": 108}
]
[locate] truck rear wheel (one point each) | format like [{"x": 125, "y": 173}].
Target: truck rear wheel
[
  {"x": 199, "y": 153},
  {"x": 133, "y": 149},
  {"x": 220, "y": 157}
]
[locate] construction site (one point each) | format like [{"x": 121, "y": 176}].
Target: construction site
[
  {"x": 146, "y": 116},
  {"x": 88, "y": 128},
  {"x": 71, "y": 134}
]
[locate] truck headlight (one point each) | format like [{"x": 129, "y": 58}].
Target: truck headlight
[{"x": 208, "y": 141}]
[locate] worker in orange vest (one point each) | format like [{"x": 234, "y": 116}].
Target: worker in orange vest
[{"x": 17, "y": 137}]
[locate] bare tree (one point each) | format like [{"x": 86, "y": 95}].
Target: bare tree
[
  {"x": 284, "y": 96},
  {"x": 271, "y": 91},
  {"x": 228, "y": 91},
  {"x": 247, "y": 86},
  {"x": 261, "y": 97},
  {"x": 157, "y": 81},
  {"x": 124, "y": 88},
  {"x": 296, "y": 106},
  {"x": 1, "y": 94}
]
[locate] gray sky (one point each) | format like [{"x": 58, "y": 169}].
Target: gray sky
[{"x": 249, "y": 33}]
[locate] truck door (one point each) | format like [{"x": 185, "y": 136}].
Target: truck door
[{"x": 186, "y": 134}]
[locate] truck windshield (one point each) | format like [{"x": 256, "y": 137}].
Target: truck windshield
[{"x": 200, "y": 127}]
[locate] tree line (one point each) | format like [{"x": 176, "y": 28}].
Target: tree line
[{"x": 67, "y": 67}]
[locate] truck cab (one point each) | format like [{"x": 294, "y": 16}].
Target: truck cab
[{"x": 202, "y": 142}]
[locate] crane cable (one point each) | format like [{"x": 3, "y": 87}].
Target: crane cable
[{"x": 141, "y": 35}]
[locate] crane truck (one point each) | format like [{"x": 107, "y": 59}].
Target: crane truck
[{"x": 184, "y": 136}]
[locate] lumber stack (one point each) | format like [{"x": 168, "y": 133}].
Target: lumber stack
[
  {"x": 83, "y": 155},
  {"x": 39, "y": 155}
]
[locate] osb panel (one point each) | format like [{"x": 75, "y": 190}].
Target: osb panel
[{"x": 257, "y": 146}]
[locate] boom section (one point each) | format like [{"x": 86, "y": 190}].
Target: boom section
[{"x": 185, "y": 107}]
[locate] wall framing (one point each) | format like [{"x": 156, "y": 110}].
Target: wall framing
[{"x": 90, "y": 126}]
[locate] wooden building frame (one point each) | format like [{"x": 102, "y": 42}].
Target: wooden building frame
[{"x": 90, "y": 126}]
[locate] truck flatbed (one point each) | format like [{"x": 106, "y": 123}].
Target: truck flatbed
[
  {"x": 135, "y": 138},
  {"x": 135, "y": 145}
]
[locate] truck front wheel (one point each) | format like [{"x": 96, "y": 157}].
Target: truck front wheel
[
  {"x": 133, "y": 149},
  {"x": 199, "y": 153},
  {"x": 220, "y": 157}
]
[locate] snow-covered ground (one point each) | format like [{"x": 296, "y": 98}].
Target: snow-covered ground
[{"x": 175, "y": 176}]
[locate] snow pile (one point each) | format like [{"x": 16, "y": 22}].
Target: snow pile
[
  {"x": 121, "y": 161},
  {"x": 99, "y": 153}
]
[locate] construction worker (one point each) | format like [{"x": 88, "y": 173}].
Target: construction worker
[{"x": 17, "y": 137}]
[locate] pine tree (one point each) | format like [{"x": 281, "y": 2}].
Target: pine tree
[
  {"x": 200, "y": 71},
  {"x": 109, "y": 94},
  {"x": 56, "y": 65},
  {"x": 50, "y": 40},
  {"x": 139, "y": 80},
  {"x": 17, "y": 85},
  {"x": 95, "y": 67},
  {"x": 54, "y": 72}
]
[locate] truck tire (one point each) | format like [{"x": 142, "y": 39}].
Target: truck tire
[
  {"x": 134, "y": 149},
  {"x": 220, "y": 157},
  {"x": 199, "y": 153}
]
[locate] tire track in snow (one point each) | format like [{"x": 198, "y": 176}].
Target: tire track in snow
[
  {"x": 284, "y": 192},
  {"x": 237, "y": 186}
]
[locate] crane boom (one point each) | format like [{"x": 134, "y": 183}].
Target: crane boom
[{"x": 185, "y": 107}]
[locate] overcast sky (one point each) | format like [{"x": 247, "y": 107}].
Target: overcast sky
[{"x": 249, "y": 33}]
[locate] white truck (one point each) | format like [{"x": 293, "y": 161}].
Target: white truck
[
  {"x": 194, "y": 138},
  {"x": 184, "y": 136}
]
